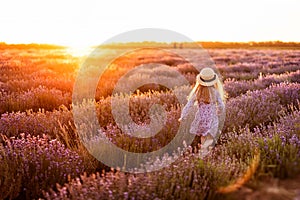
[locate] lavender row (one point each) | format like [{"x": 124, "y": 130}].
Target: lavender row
[
  {"x": 235, "y": 88},
  {"x": 261, "y": 106},
  {"x": 35, "y": 99}
]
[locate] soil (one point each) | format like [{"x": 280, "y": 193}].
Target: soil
[{"x": 274, "y": 189}]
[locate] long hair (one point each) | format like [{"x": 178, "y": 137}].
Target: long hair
[
  {"x": 206, "y": 94},
  {"x": 203, "y": 94}
]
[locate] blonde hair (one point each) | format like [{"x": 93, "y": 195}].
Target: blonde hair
[
  {"x": 203, "y": 94},
  {"x": 206, "y": 94}
]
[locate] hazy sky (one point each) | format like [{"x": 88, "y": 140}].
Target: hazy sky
[{"x": 90, "y": 22}]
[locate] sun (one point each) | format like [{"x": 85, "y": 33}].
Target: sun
[{"x": 79, "y": 50}]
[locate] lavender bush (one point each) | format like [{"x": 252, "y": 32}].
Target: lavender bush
[{"x": 34, "y": 164}]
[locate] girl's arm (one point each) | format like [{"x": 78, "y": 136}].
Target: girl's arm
[
  {"x": 187, "y": 107},
  {"x": 220, "y": 103}
]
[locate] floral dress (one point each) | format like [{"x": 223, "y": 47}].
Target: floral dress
[{"x": 206, "y": 117}]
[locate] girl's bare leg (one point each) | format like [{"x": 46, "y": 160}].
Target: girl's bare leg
[
  {"x": 202, "y": 139},
  {"x": 207, "y": 141}
]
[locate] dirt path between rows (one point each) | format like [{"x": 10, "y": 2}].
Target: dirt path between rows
[{"x": 275, "y": 189}]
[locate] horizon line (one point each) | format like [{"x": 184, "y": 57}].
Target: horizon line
[{"x": 157, "y": 42}]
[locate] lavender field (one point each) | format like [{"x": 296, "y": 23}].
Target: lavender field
[{"x": 256, "y": 157}]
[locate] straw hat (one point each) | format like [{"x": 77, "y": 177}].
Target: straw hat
[{"x": 207, "y": 77}]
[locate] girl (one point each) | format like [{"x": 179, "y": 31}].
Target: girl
[{"x": 207, "y": 97}]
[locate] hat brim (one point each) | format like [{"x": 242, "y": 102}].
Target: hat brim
[{"x": 210, "y": 82}]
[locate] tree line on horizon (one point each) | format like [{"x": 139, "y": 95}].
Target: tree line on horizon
[{"x": 177, "y": 45}]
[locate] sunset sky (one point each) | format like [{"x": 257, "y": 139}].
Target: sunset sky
[{"x": 91, "y": 22}]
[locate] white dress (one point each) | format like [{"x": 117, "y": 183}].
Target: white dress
[{"x": 206, "y": 118}]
